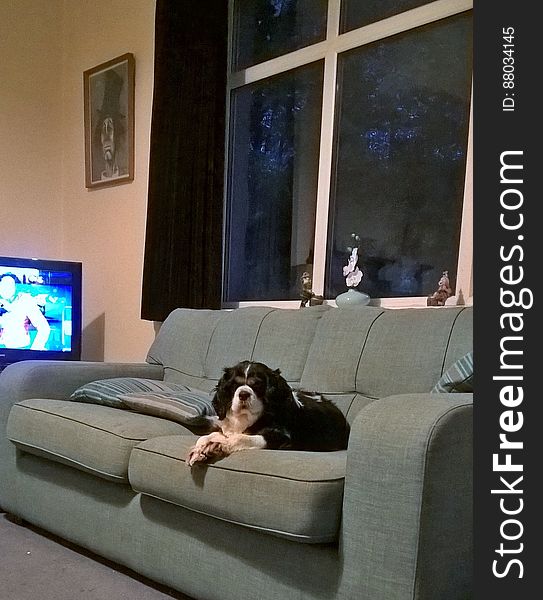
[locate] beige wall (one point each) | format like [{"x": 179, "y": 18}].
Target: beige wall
[
  {"x": 30, "y": 136},
  {"x": 53, "y": 42}
]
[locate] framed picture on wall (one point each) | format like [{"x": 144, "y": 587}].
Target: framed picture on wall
[{"x": 109, "y": 122}]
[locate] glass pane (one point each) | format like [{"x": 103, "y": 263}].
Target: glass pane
[
  {"x": 400, "y": 152},
  {"x": 272, "y": 184},
  {"x": 355, "y": 13},
  {"x": 264, "y": 29}
]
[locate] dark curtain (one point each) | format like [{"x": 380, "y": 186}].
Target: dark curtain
[{"x": 183, "y": 243}]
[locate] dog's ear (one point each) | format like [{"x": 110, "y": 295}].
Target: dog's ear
[
  {"x": 227, "y": 374},
  {"x": 279, "y": 390},
  {"x": 220, "y": 404},
  {"x": 222, "y": 398}
]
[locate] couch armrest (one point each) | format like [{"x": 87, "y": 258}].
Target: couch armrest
[
  {"x": 58, "y": 379},
  {"x": 49, "y": 379},
  {"x": 407, "y": 510}
]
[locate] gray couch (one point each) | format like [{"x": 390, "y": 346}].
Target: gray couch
[{"x": 390, "y": 518}]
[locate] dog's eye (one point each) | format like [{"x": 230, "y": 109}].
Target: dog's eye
[
  {"x": 258, "y": 386},
  {"x": 228, "y": 386}
]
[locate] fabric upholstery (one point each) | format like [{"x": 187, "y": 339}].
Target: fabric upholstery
[
  {"x": 95, "y": 439},
  {"x": 285, "y": 337},
  {"x": 177, "y": 406},
  {"x": 377, "y": 353},
  {"x": 408, "y": 495},
  {"x": 405, "y": 523},
  {"x": 50, "y": 379},
  {"x": 404, "y": 351},
  {"x": 297, "y": 495},
  {"x": 234, "y": 339},
  {"x": 107, "y": 392},
  {"x": 337, "y": 346},
  {"x": 461, "y": 339},
  {"x": 195, "y": 346},
  {"x": 176, "y": 547},
  {"x": 182, "y": 343},
  {"x": 458, "y": 377}
]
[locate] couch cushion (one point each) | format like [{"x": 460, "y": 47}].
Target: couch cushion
[
  {"x": 182, "y": 344},
  {"x": 182, "y": 407},
  {"x": 108, "y": 391},
  {"x": 405, "y": 351},
  {"x": 297, "y": 495},
  {"x": 458, "y": 377},
  {"x": 279, "y": 338},
  {"x": 95, "y": 439},
  {"x": 334, "y": 356},
  {"x": 195, "y": 345},
  {"x": 461, "y": 340},
  {"x": 379, "y": 352}
]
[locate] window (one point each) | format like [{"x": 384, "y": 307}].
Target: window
[
  {"x": 275, "y": 132},
  {"x": 264, "y": 29},
  {"x": 355, "y": 13},
  {"x": 351, "y": 119}
]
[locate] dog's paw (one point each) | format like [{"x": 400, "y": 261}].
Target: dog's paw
[{"x": 206, "y": 448}]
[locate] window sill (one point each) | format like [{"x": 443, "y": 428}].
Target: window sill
[{"x": 417, "y": 302}]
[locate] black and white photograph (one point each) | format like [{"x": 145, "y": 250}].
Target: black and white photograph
[{"x": 109, "y": 122}]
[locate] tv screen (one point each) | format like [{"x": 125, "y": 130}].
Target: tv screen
[{"x": 40, "y": 309}]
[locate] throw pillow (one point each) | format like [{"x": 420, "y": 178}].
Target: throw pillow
[
  {"x": 185, "y": 406},
  {"x": 458, "y": 377},
  {"x": 108, "y": 391}
]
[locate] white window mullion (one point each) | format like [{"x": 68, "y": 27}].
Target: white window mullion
[
  {"x": 464, "y": 291},
  {"x": 326, "y": 150},
  {"x": 405, "y": 21},
  {"x": 333, "y": 18},
  {"x": 325, "y": 172},
  {"x": 382, "y": 29}
]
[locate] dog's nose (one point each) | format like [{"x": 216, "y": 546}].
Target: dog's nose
[{"x": 244, "y": 396}]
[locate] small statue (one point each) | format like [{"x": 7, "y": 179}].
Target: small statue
[
  {"x": 444, "y": 291},
  {"x": 307, "y": 295},
  {"x": 353, "y": 275}
]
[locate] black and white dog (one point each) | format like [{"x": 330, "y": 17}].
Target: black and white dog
[{"x": 256, "y": 408}]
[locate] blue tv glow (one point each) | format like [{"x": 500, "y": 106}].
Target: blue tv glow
[{"x": 40, "y": 310}]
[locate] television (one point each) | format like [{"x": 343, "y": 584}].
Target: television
[{"x": 40, "y": 310}]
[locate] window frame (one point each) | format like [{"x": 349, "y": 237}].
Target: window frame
[{"x": 329, "y": 50}]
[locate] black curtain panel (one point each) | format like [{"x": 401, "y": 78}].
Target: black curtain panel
[{"x": 183, "y": 244}]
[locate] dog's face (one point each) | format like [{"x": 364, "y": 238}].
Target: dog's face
[{"x": 247, "y": 389}]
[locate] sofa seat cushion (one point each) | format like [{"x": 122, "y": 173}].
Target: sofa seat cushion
[
  {"x": 94, "y": 439},
  {"x": 297, "y": 495}
]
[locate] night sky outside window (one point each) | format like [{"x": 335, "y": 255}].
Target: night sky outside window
[
  {"x": 400, "y": 153},
  {"x": 348, "y": 117}
]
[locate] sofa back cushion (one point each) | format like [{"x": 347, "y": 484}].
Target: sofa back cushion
[
  {"x": 378, "y": 352},
  {"x": 353, "y": 354},
  {"x": 182, "y": 343},
  {"x": 195, "y": 345}
]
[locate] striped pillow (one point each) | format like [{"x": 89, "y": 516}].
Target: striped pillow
[
  {"x": 458, "y": 377},
  {"x": 183, "y": 406},
  {"x": 107, "y": 391}
]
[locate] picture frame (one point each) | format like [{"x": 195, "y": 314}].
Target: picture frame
[{"x": 109, "y": 122}]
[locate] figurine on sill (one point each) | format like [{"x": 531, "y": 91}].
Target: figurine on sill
[
  {"x": 444, "y": 291},
  {"x": 307, "y": 295}
]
